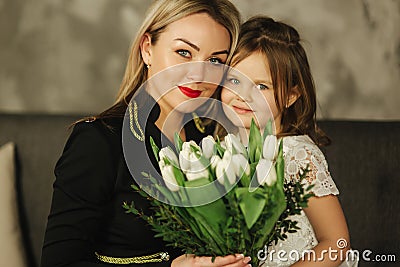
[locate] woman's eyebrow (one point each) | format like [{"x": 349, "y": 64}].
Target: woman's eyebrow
[
  {"x": 188, "y": 43},
  {"x": 198, "y": 48}
]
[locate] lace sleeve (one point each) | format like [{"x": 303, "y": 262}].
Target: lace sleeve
[{"x": 300, "y": 151}]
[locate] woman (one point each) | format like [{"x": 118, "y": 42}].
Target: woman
[{"x": 87, "y": 225}]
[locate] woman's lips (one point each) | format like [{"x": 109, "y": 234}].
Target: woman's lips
[
  {"x": 189, "y": 92},
  {"x": 240, "y": 110}
]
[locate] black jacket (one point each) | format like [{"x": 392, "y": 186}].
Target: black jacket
[{"x": 92, "y": 182}]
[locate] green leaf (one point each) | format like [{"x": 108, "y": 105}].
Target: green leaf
[
  {"x": 280, "y": 166},
  {"x": 275, "y": 212},
  {"x": 258, "y": 154},
  {"x": 166, "y": 192},
  {"x": 214, "y": 213},
  {"x": 268, "y": 129},
  {"x": 178, "y": 142},
  {"x": 212, "y": 233},
  {"x": 178, "y": 174},
  {"x": 255, "y": 142},
  {"x": 197, "y": 189},
  {"x": 155, "y": 148},
  {"x": 250, "y": 204},
  {"x": 245, "y": 179}
]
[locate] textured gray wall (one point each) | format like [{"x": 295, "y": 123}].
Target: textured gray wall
[{"x": 68, "y": 56}]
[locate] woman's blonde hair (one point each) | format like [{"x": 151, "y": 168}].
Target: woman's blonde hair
[{"x": 159, "y": 16}]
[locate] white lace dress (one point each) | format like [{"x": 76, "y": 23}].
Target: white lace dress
[{"x": 299, "y": 151}]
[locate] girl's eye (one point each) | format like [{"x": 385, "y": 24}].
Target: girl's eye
[
  {"x": 183, "y": 53},
  {"x": 234, "y": 81},
  {"x": 262, "y": 86},
  {"x": 215, "y": 60}
]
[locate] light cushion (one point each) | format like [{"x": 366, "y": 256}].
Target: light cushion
[{"x": 12, "y": 251}]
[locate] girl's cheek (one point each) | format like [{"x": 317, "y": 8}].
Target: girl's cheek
[{"x": 226, "y": 95}]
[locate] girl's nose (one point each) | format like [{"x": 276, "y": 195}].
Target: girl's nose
[{"x": 244, "y": 93}]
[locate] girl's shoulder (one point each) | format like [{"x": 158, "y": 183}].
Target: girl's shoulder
[
  {"x": 294, "y": 142},
  {"x": 300, "y": 152},
  {"x": 303, "y": 147}
]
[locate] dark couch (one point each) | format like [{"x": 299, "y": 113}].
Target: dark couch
[{"x": 363, "y": 160}]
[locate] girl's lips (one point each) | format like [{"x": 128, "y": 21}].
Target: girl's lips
[
  {"x": 241, "y": 110},
  {"x": 189, "y": 92}
]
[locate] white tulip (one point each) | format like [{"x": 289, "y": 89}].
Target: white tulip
[
  {"x": 225, "y": 167},
  {"x": 207, "y": 145},
  {"x": 167, "y": 172},
  {"x": 190, "y": 175},
  {"x": 240, "y": 165},
  {"x": 168, "y": 153},
  {"x": 272, "y": 177},
  {"x": 227, "y": 156},
  {"x": 233, "y": 143},
  {"x": 186, "y": 154},
  {"x": 195, "y": 164},
  {"x": 223, "y": 144},
  {"x": 266, "y": 173},
  {"x": 184, "y": 161},
  {"x": 190, "y": 162},
  {"x": 270, "y": 148},
  {"x": 187, "y": 145},
  {"x": 215, "y": 159}
]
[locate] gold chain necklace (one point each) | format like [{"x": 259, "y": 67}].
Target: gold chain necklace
[
  {"x": 157, "y": 257},
  {"x": 198, "y": 123},
  {"x": 134, "y": 117}
]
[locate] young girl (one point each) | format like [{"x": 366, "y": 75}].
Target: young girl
[
  {"x": 270, "y": 55},
  {"x": 87, "y": 225}
]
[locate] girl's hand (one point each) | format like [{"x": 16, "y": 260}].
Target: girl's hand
[{"x": 190, "y": 260}]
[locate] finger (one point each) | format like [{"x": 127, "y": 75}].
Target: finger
[
  {"x": 226, "y": 260},
  {"x": 240, "y": 263}
]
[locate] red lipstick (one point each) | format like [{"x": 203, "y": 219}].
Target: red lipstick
[{"x": 189, "y": 92}]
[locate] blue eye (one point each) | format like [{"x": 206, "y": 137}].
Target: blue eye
[
  {"x": 262, "y": 87},
  {"x": 183, "y": 53},
  {"x": 234, "y": 81},
  {"x": 215, "y": 60}
]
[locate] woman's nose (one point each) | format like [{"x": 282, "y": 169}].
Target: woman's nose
[{"x": 196, "y": 71}]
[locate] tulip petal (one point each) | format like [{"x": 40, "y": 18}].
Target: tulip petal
[
  {"x": 207, "y": 145},
  {"x": 271, "y": 178},
  {"x": 262, "y": 169},
  {"x": 167, "y": 173},
  {"x": 169, "y": 154},
  {"x": 270, "y": 148},
  {"x": 240, "y": 165},
  {"x": 215, "y": 159}
]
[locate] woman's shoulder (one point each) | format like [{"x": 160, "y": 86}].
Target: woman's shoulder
[
  {"x": 92, "y": 127},
  {"x": 96, "y": 134}
]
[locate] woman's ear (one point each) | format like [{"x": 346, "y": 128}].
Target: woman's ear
[
  {"x": 145, "y": 49},
  {"x": 293, "y": 96}
]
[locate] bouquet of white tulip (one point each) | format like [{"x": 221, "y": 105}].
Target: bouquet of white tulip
[{"x": 244, "y": 188}]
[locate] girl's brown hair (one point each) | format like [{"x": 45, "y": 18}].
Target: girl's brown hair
[{"x": 288, "y": 63}]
